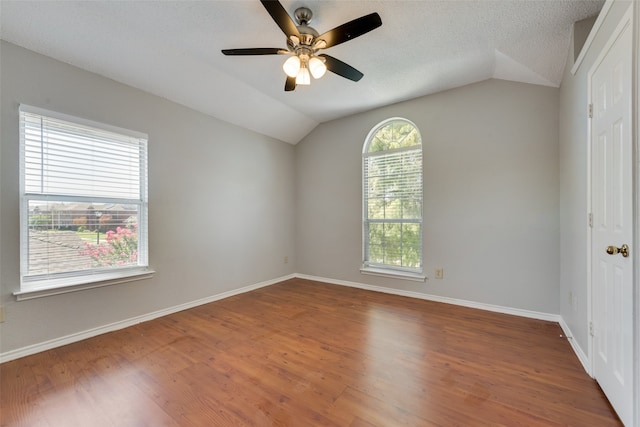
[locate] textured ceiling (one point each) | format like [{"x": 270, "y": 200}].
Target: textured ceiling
[{"x": 172, "y": 49}]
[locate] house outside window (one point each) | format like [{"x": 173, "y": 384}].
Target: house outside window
[
  {"x": 83, "y": 210},
  {"x": 392, "y": 200}
]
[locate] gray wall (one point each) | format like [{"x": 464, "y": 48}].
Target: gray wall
[
  {"x": 574, "y": 182},
  {"x": 502, "y": 159},
  {"x": 221, "y": 201},
  {"x": 490, "y": 195}
]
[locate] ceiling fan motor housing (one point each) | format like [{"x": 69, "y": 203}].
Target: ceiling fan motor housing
[
  {"x": 307, "y": 34},
  {"x": 303, "y": 15}
]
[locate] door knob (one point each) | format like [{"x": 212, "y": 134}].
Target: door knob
[{"x": 624, "y": 250}]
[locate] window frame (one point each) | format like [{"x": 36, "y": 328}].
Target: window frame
[
  {"x": 34, "y": 285},
  {"x": 379, "y": 269}
]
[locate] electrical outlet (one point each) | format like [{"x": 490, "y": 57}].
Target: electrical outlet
[
  {"x": 286, "y": 260},
  {"x": 1, "y": 314},
  {"x": 573, "y": 301},
  {"x": 439, "y": 273}
]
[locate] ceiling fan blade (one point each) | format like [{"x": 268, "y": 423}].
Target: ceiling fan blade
[
  {"x": 350, "y": 30},
  {"x": 290, "y": 84},
  {"x": 255, "y": 51},
  {"x": 281, "y": 17},
  {"x": 340, "y": 68}
]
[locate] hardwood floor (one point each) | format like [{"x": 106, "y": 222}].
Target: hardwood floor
[{"x": 304, "y": 353}]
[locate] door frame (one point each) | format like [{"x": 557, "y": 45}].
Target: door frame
[
  {"x": 635, "y": 119},
  {"x": 632, "y": 18}
]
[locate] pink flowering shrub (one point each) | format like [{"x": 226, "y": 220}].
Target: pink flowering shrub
[{"x": 120, "y": 249}]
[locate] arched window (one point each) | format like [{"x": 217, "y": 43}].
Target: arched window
[{"x": 392, "y": 199}]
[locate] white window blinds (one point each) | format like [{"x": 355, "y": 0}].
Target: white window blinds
[{"x": 84, "y": 197}]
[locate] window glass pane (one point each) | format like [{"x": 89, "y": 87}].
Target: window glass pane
[
  {"x": 70, "y": 236},
  {"x": 396, "y": 134},
  {"x": 411, "y": 245},
  {"x": 376, "y": 234},
  {"x": 376, "y": 208},
  {"x": 412, "y": 208},
  {"x": 376, "y": 254},
  {"x": 393, "y": 244}
]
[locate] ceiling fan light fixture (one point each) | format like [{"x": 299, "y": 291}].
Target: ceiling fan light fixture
[
  {"x": 317, "y": 67},
  {"x": 291, "y": 66},
  {"x": 304, "y": 42},
  {"x": 303, "y": 77}
]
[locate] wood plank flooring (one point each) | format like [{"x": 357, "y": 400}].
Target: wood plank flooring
[{"x": 302, "y": 353}]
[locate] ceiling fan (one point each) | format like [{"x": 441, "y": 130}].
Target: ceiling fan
[{"x": 304, "y": 42}]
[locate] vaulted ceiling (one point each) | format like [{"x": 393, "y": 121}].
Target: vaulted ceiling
[{"x": 172, "y": 49}]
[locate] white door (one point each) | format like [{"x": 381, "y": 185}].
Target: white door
[{"x": 612, "y": 197}]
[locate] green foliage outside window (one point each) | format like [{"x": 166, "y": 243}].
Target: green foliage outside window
[
  {"x": 396, "y": 134},
  {"x": 40, "y": 221}
]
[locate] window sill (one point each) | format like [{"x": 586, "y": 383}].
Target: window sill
[
  {"x": 395, "y": 274},
  {"x": 45, "y": 288}
]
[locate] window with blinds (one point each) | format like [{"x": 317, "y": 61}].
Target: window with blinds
[
  {"x": 392, "y": 198},
  {"x": 83, "y": 199}
]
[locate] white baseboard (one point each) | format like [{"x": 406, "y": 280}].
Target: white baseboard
[
  {"x": 79, "y": 336},
  {"x": 472, "y": 304},
  {"x": 582, "y": 357}
]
